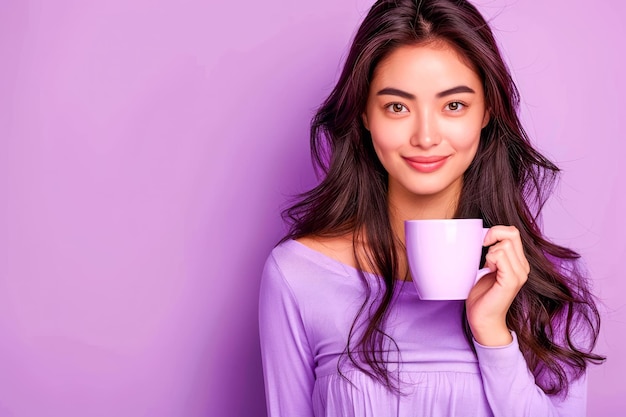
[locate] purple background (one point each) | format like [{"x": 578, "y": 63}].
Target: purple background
[{"x": 147, "y": 147}]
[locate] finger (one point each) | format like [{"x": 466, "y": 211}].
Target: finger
[
  {"x": 508, "y": 233},
  {"x": 517, "y": 259},
  {"x": 508, "y": 267},
  {"x": 498, "y": 233}
]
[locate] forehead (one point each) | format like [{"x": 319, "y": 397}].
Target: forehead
[{"x": 425, "y": 66}]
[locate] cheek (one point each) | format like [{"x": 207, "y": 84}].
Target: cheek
[
  {"x": 385, "y": 146},
  {"x": 387, "y": 136},
  {"x": 463, "y": 137}
]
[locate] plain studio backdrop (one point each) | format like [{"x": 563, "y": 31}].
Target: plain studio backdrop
[{"x": 147, "y": 148}]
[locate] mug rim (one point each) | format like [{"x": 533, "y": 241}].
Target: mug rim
[{"x": 443, "y": 220}]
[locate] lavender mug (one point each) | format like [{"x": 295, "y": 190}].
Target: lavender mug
[{"x": 444, "y": 256}]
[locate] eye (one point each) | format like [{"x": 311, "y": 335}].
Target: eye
[
  {"x": 455, "y": 106},
  {"x": 397, "y": 108}
]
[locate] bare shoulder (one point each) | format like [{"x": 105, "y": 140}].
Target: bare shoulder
[{"x": 339, "y": 248}]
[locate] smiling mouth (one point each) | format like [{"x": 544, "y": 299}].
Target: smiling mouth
[{"x": 426, "y": 164}]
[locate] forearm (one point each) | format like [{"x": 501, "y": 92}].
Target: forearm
[
  {"x": 511, "y": 389},
  {"x": 287, "y": 360}
]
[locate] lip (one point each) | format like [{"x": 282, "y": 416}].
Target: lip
[{"x": 426, "y": 164}]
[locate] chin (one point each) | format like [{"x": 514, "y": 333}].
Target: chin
[
  {"x": 432, "y": 190},
  {"x": 427, "y": 192}
]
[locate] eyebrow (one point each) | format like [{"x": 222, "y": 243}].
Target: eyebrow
[
  {"x": 389, "y": 91},
  {"x": 456, "y": 90},
  {"x": 395, "y": 92}
]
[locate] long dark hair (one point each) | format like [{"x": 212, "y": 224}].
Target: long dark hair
[{"x": 554, "y": 314}]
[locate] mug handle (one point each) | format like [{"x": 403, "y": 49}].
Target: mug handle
[
  {"x": 481, "y": 273},
  {"x": 484, "y": 271}
]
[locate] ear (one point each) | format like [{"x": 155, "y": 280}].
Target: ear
[
  {"x": 486, "y": 119},
  {"x": 365, "y": 122}
]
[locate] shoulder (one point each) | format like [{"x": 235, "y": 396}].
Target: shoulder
[
  {"x": 309, "y": 254},
  {"x": 339, "y": 248},
  {"x": 303, "y": 266}
]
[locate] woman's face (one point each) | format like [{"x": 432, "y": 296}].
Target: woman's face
[{"x": 425, "y": 111}]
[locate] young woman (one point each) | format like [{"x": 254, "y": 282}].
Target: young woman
[{"x": 423, "y": 124}]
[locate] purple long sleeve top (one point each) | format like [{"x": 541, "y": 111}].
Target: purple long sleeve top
[{"x": 308, "y": 303}]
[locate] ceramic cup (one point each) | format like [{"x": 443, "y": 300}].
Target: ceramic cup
[{"x": 444, "y": 256}]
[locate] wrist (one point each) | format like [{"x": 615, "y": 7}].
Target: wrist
[{"x": 492, "y": 335}]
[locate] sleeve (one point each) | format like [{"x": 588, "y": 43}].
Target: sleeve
[
  {"x": 511, "y": 390},
  {"x": 288, "y": 365}
]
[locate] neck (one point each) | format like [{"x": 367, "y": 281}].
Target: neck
[{"x": 404, "y": 205}]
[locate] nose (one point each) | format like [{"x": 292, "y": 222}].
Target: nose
[{"x": 425, "y": 132}]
